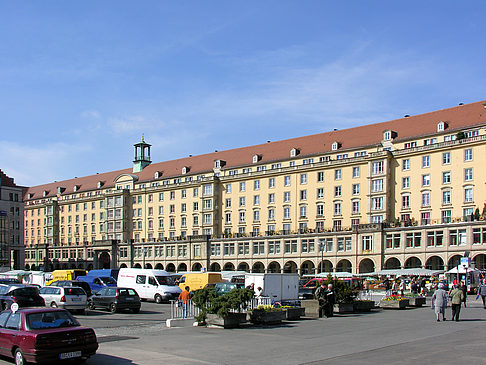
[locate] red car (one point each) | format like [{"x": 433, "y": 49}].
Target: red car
[{"x": 44, "y": 335}]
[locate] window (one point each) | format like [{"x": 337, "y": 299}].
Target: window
[
  {"x": 468, "y": 154},
  {"x": 286, "y": 212},
  {"x": 446, "y": 216},
  {"x": 271, "y": 214},
  {"x": 271, "y": 182},
  {"x": 406, "y": 164},
  {"x": 227, "y": 203},
  {"x": 286, "y": 196},
  {"x": 273, "y": 247},
  {"x": 377, "y": 185},
  {"x": 367, "y": 243},
  {"x": 425, "y": 218},
  {"x": 446, "y": 197},
  {"x": 242, "y": 217},
  {"x": 303, "y": 195},
  {"x": 406, "y": 202},
  {"x": 271, "y": 198},
  {"x": 227, "y": 218},
  {"x": 377, "y": 168},
  {"x": 410, "y": 145},
  {"x": 337, "y": 208},
  {"x": 446, "y": 177},
  {"x": 303, "y": 211},
  {"x": 320, "y": 193},
  {"x": 320, "y": 176},
  {"x": 303, "y": 178},
  {"x": 446, "y": 158},
  {"x": 172, "y": 195},
  {"x": 320, "y": 210},
  {"x": 228, "y": 188},
  {"x": 242, "y": 201},
  {"x": 387, "y": 135},
  {"x": 337, "y": 191},
  {"x": 377, "y": 203},
  {"x": 256, "y": 215},
  {"x": 468, "y": 174},
  {"x": 356, "y": 171},
  {"x": 286, "y": 180},
  {"x": 338, "y": 174},
  {"x": 355, "y": 189},
  {"x": 468, "y": 195},
  {"x": 425, "y": 161},
  {"x": 290, "y": 246},
  {"x": 325, "y": 245},
  {"x": 405, "y": 182},
  {"x": 307, "y": 245},
  {"x": 256, "y": 200},
  {"x": 242, "y": 186},
  {"x": 426, "y": 180},
  {"x": 256, "y": 185},
  {"x": 426, "y": 199},
  {"x": 355, "y": 206}
]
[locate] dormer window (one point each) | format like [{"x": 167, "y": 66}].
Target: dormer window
[
  {"x": 100, "y": 184},
  {"x": 60, "y": 189},
  {"x": 335, "y": 146},
  {"x": 45, "y": 193},
  {"x": 157, "y": 175},
  {"x": 388, "y": 135},
  {"x": 76, "y": 187},
  {"x": 185, "y": 170},
  {"x": 441, "y": 126},
  {"x": 30, "y": 195},
  {"x": 219, "y": 163},
  {"x": 294, "y": 152},
  {"x": 256, "y": 158}
]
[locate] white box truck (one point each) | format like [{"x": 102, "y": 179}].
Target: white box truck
[
  {"x": 279, "y": 287},
  {"x": 156, "y": 285}
]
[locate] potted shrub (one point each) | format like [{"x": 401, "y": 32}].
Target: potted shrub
[
  {"x": 363, "y": 305},
  {"x": 293, "y": 313},
  {"x": 416, "y": 300},
  {"x": 266, "y": 314},
  {"x": 345, "y": 295},
  {"x": 394, "y": 302},
  {"x": 222, "y": 310}
]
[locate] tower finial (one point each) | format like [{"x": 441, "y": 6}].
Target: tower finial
[{"x": 142, "y": 138}]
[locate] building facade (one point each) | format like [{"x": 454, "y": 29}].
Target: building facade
[
  {"x": 404, "y": 193},
  {"x": 11, "y": 223}
]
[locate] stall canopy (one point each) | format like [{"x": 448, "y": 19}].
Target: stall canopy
[
  {"x": 405, "y": 272},
  {"x": 338, "y": 274},
  {"x": 462, "y": 270}
]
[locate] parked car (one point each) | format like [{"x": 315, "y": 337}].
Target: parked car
[
  {"x": 71, "y": 298},
  {"x": 223, "y": 288},
  {"x": 69, "y": 283},
  {"x": 306, "y": 293},
  {"x": 23, "y": 295},
  {"x": 116, "y": 299},
  {"x": 44, "y": 335},
  {"x": 97, "y": 282}
]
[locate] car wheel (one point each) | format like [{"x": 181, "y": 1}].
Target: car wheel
[
  {"x": 113, "y": 308},
  {"x": 54, "y": 305},
  {"x": 135, "y": 310},
  {"x": 158, "y": 299},
  {"x": 91, "y": 305},
  {"x": 19, "y": 358}
]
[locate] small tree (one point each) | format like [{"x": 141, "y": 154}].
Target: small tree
[
  {"x": 476, "y": 214},
  {"x": 344, "y": 293}
]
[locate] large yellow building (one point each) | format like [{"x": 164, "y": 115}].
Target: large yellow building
[{"x": 404, "y": 193}]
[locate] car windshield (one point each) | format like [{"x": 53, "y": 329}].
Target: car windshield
[
  {"x": 74, "y": 291},
  {"x": 51, "y": 319},
  {"x": 165, "y": 280},
  {"x": 127, "y": 292},
  {"x": 25, "y": 292},
  {"x": 108, "y": 280}
]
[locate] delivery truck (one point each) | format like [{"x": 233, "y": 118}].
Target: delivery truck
[{"x": 279, "y": 287}]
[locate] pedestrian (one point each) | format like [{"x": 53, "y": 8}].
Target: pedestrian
[
  {"x": 185, "y": 299},
  {"x": 387, "y": 284},
  {"x": 331, "y": 300},
  {"x": 439, "y": 302},
  {"x": 321, "y": 295},
  {"x": 482, "y": 292},
  {"x": 259, "y": 294},
  {"x": 395, "y": 287},
  {"x": 402, "y": 287},
  {"x": 251, "y": 287},
  {"x": 423, "y": 286},
  {"x": 464, "y": 293},
  {"x": 457, "y": 298}
]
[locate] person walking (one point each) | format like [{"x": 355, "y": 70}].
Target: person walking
[
  {"x": 482, "y": 292},
  {"x": 185, "y": 298},
  {"x": 331, "y": 300},
  {"x": 464, "y": 293},
  {"x": 457, "y": 298},
  {"x": 439, "y": 302},
  {"x": 321, "y": 295}
]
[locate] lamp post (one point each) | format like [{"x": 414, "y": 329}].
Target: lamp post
[
  {"x": 144, "y": 253},
  {"x": 321, "y": 247}
]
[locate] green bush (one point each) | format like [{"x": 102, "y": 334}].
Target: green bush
[{"x": 208, "y": 301}]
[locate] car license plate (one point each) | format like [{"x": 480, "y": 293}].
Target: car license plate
[
  {"x": 76, "y": 299},
  {"x": 70, "y": 355},
  {"x": 129, "y": 298}
]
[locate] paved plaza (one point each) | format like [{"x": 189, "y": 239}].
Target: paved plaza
[{"x": 380, "y": 337}]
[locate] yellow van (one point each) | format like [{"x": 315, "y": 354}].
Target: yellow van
[
  {"x": 198, "y": 280},
  {"x": 66, "y": 275}
]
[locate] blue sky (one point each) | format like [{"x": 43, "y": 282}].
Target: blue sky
[{"x": 80, "y": 81}]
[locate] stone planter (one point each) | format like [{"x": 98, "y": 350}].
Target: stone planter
[
  {"x": 343, "y": 308},
  {"x": 294, "y": 313},
  {"x": 233, "y": 320},
  {"x": 394, "y": 304},
  {"x": 263, "y": 317},
  {"x": 416, "y": 301},
  {"x": 363, "y": 305},
  {"x": 311, "y": 307}
]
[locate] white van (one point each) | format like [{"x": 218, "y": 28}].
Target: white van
[{"x": 157, "y": 285}]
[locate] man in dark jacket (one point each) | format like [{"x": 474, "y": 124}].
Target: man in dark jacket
[
  {"x": 331, "y": 300},
  {"x": 321, "y": 295},
  {"x": 482, "y": 292}
]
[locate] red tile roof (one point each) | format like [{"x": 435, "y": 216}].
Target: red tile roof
[
  {"x": 6, "y": 180},
  {"x": 458, "y": 117}
]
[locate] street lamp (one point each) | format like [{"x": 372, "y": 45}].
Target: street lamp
[
  {"x": 144, "y": 253},
  {"x": 321, "y": 247}
]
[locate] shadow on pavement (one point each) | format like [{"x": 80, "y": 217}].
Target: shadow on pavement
[{"x": 109, "y": 359}]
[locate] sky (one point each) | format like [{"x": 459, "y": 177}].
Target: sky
[{"x": 81, "y": 81}]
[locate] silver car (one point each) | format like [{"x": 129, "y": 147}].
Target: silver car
[{"x": 70, "y": 298}]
